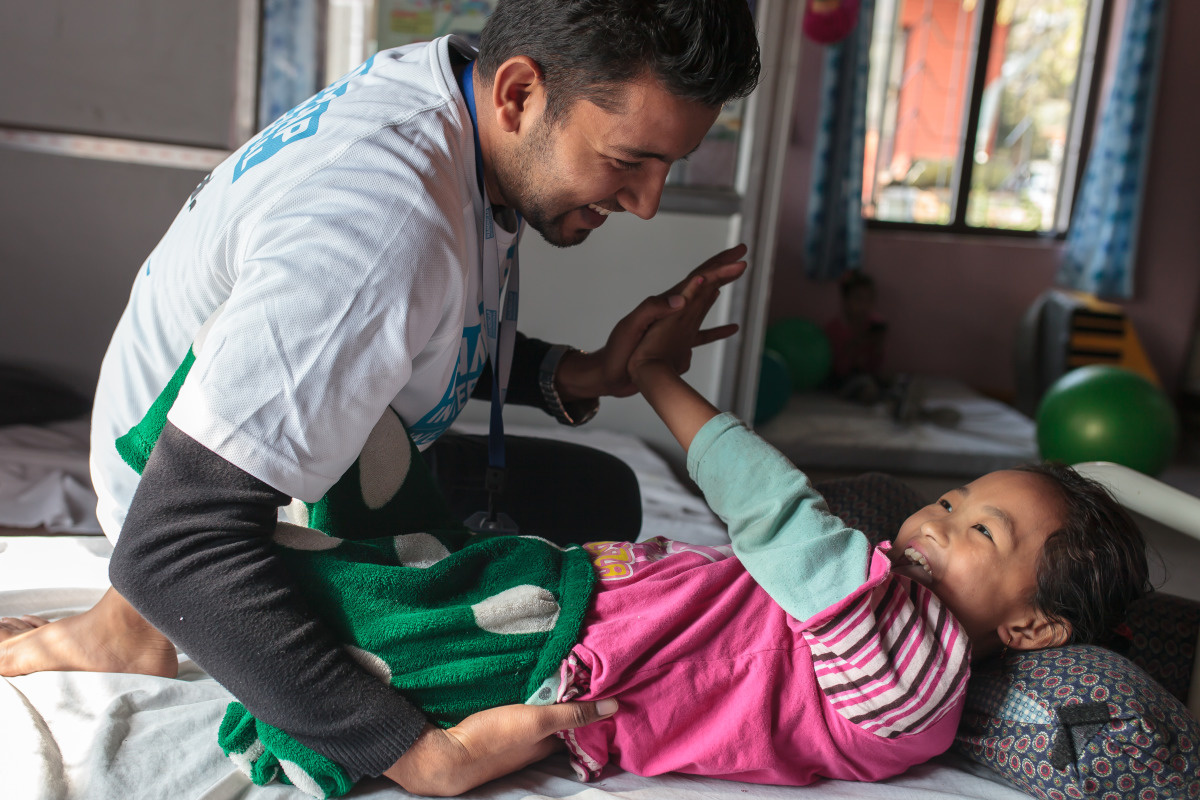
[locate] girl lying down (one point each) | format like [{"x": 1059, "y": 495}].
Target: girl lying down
[{"x": 795, "y": 653}]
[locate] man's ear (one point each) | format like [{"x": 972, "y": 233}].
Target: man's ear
[
  {"x": 518, "y": 93},
  {"x": 1033, "y": 630}
]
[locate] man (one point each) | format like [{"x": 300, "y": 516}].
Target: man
[{"x": 346, "y": 261}]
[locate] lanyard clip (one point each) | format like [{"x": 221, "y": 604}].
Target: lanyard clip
[{"x": 492, "y": 521}]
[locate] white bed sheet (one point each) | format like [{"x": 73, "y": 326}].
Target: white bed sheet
[
  {"x": 79, "y": 736},
  {"x": 44, "y": 480},
  {"x": 820, "y": 431}
]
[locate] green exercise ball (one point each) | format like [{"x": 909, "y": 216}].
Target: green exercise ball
[
  {"x": 1103, "y": 413},
  {"x": 774, "y": 387},
  {"x": 804, "y": 348}
]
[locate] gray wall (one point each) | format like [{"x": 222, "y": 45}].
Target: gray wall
[
  {"x": 158, "y": 70},
  {"x": 72, "y": 234},
  {"x": 74, "y": 230}
]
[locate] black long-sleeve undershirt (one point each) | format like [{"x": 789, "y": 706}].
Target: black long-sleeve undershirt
[
  {"x": 194, "y": 558},
  {"x": 523, "y": 388}
]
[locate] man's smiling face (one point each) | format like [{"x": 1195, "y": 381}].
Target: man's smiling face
[
  {"x": 565, "y": 177},
  {"x": 977, "y": 548}
]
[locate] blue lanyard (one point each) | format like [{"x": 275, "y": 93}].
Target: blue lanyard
[{"x": 499, "y": 334}]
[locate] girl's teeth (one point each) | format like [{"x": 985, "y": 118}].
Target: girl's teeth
[{"x": 916, "y": 558}]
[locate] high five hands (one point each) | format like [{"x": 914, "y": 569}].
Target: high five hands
[{"x": 605, "y": 371}]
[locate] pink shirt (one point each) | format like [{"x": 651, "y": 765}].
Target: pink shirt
[{"x": 716, "y": 678}]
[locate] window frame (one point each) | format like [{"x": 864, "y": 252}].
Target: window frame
[{"x": 1095, "y": 45}]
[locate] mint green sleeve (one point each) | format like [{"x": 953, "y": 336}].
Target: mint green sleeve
[{"x": 782, "y": 531}]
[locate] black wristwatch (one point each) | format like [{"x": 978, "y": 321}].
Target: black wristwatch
[{"x": 574, "y": 413}]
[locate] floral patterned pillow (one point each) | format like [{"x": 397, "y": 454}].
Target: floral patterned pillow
[{"x": 1080, "y": 722}]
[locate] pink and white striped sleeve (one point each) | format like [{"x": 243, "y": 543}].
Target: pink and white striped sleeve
[{"x": 892, "y": 662}]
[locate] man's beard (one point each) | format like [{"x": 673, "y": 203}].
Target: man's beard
[{"x": 522, "y": 177}]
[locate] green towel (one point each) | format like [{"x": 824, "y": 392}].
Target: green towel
[
  {"x": 455, "y": 621},
  {"x": 135, "y": 446},
  {"x": 458, "y": 622}
]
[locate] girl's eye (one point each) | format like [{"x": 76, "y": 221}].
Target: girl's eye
[
  {"x": 984, "y": 530},
  {"x": 946, "y": 505}
]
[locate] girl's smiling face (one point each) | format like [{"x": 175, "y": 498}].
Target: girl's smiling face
[{"x": 977, "y": 548}]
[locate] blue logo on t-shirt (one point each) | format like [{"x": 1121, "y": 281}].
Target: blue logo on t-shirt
[
  {"x": 473, "y": 354},
  {"x": 299, "y": 123}
]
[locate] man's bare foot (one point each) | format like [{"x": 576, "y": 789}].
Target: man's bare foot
[{"x": 109, "y": 637}]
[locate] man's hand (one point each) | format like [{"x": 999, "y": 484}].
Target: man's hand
[
  {"x": 488, "y": 745},
  {"x": 583, "y": 376}
]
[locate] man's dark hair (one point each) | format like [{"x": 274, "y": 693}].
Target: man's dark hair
[
  {"x": 705, "y": 51},
  {"x": 1094, "y": 565}
]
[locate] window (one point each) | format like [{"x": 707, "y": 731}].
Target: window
[{"x": 976, "y": 111}]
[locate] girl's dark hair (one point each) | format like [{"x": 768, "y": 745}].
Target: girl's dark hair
[
  {"x": 1093, "y": 566},
  {"x": 700, "y": 50}
]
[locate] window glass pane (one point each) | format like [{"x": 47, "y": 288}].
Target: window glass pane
[
  {"x": 714, "y": 164},
  {"x": 409, "y": 21},
  {"x": 1025, "y": 114},
  {"x": 917, "y": 95},
  {"x": 349, "y": 35}
]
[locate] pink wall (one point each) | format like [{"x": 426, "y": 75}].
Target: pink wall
[{"x": 953, "y": 302}]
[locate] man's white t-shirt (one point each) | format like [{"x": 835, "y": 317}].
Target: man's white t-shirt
[{"x": 332, "y": 268}]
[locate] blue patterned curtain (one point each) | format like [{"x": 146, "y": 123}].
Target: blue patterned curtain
[
  {"x": 1102, "y": 242},
  {"x": 834, "y": 234}
]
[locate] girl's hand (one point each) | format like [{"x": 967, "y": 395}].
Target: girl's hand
[{"x": 670, "y": 338}]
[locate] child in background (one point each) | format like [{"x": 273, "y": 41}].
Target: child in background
[
  {"x": 795, "y": 653},
  {"x": 856, "y": 337}
]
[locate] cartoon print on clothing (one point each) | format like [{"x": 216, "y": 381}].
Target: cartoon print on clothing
[{"x": 616, "y": 561}]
